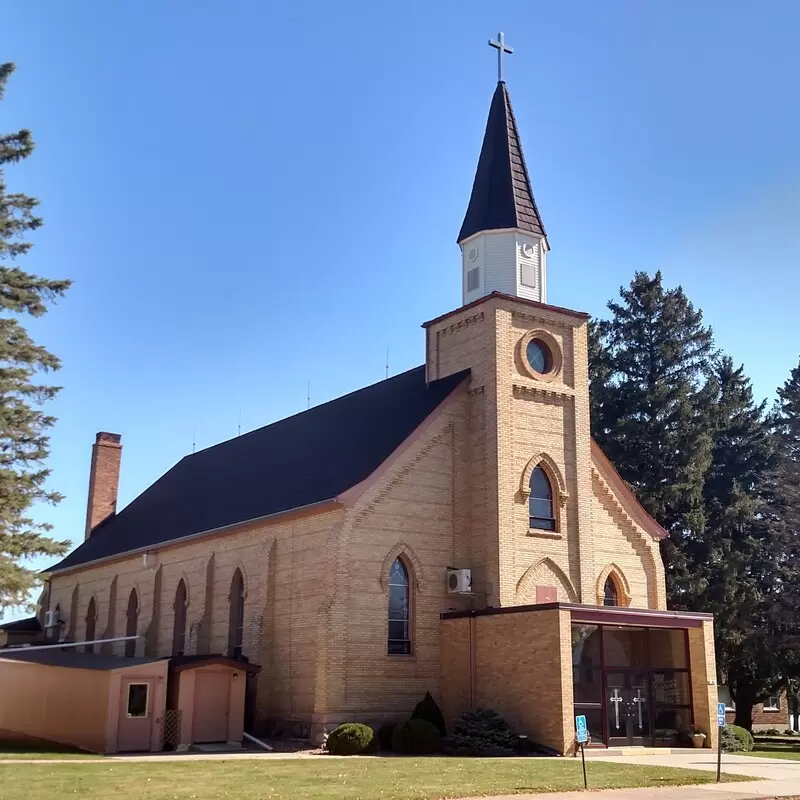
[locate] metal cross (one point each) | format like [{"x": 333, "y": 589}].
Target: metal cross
[
  {"x": 639, "y": 700},
  {"x": 616, "y": 699},
  {"x": 501, "y": 47}
]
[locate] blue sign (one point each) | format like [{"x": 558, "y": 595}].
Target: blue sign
[
  {"x": 721, "y": 715},
  {"x": 580, "y": 727}
]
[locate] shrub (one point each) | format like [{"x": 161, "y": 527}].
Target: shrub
[
  {"x": 350, "y": 739},
  {"x": 734, "y": 739},
  {"x": 790, "y": 732},
  {"x": 729, "y": 741},
  {"x": 416, "y": 737},
  {"x": 428, "y": 710},
  {"x": 744, "y": 736},
  {"x": 771, "y": 732},
  {"x": 385, "y": 736},
  {"x": 482, "y": 732}
]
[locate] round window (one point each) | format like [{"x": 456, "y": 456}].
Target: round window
[{"x": 539, "y": 356}]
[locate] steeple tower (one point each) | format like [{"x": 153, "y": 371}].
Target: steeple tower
[{"x": 503, "y": 241}]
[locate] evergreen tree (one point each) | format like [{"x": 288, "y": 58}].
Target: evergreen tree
[
  {"x": 23, "y": 424},
  {"x": 733, "y": 560},
  {"x": 781, "y": 514},
  {"x": 649, "y": 366}
]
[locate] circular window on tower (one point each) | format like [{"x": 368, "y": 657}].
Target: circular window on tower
[{"x": 540, "y": 355}]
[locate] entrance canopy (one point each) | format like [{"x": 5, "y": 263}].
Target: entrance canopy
[{"x": 639, "y": 676}]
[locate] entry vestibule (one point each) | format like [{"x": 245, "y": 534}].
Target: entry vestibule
[
  {"x": 639, "y": 676},
  {"x": 633, "y": 684}
]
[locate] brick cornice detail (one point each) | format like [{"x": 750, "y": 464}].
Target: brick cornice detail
[
  {"x": 524, "y": 391},
  {"x": 463, "y": 323}
]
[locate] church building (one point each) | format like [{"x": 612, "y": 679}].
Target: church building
[{"x": 452, "y": 529}]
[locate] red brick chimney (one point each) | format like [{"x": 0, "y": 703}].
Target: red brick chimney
[{"x": 103, "y": 479}]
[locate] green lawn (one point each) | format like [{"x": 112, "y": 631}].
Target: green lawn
[
  {"x": 11, "y": 751},
  {"x": 788, "y": 750},
  {"x": 326, "y": 777}
]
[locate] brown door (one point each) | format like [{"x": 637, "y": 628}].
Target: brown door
[
  {"x": 136, "y": 715},
  {"x": 627, "y": 708},
  {"x": 211, "y": 701}
]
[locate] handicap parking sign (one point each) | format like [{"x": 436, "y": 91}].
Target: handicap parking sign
[
  {"x": 580, "y": 727},
  {"x": 721, "y": 715}
]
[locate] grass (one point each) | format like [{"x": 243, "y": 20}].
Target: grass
[
  {"x": 787, "y": 750},
  {"x": 327, "y": 778},
  {"x": 44, "y": 751}
]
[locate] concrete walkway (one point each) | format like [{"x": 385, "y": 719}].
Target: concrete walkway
[{"x": 778, "y": 778}]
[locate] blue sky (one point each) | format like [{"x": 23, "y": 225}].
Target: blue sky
[{"x": 253, "y": 195}]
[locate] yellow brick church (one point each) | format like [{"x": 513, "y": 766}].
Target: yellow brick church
[{"x": 453, "y": 529}]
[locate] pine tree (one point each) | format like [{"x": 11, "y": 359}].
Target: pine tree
[
  {"x": 24, "y": 442},
  {"x": 781, "y": 515},
  {"x": 649, "y": 366},
  {"x": 733, "y": 560}
]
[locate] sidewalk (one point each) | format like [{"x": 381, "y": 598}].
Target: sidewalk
[{"x": 778, "y": 778}]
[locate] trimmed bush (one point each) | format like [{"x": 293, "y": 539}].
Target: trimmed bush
[
  {"x": 416, "y": 737},
  {"x": 385, "y": 736},
  {"x": 744, "y": 736},
  {"x": 735, "y": 739},
  {"x": 428, "y": 709},
  {"x": 350, "y": 739},
  {"x": 482, "y": 732}
]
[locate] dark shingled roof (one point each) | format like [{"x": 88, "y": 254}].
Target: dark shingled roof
[
  {"x": 70, "y": 657},
  {"x": 308, "y": 458},
  {"x": 501, "y": 194},
  {"x": 27, "y": 625}
]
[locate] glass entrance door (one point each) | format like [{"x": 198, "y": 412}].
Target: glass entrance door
[{"x": 627, "y": 707}]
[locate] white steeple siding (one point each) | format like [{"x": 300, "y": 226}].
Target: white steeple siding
[{"x": 509, "y": 261}]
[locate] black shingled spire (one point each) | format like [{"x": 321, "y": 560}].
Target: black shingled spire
[{"x": 501, "y": 194}]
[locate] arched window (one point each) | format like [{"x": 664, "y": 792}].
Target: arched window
[
  {"x": 54, "y": 633},
  {"x": 91, "y": 618},
  {"x": 541, "y": 502},
  {"x": 610, "y": 595},
  {"x": 132, "y": 623},
  {"x": 179, "y": 628},
  {"x": 399, "y": 610},
  {"x": 236, "y": 618}
]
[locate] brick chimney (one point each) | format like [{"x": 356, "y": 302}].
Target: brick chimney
[{"x": 103, "y": 479}]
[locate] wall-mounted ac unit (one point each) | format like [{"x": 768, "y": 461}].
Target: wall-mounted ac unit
[
  {"x": 459, "y": 581},
  {"x": 51, "y": 619}
]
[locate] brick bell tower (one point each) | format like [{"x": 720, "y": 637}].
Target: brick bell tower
[{"x": 528, "y": 541}]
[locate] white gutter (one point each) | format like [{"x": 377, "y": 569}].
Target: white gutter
[{"x": 27, "y": 647}]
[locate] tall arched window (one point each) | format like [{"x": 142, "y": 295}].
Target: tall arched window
[
  {"x": 179, "y": 628},
  {"x": 236, "y": 618},
  {"x": 540, "y": 507},
  {"x": 132, "y": 623},
  {"x": 91, "y": 619},
  {"x": 610, "y": 595},
  {"x": 54, "y": 633},
  {"x": 399, "y": 610}
]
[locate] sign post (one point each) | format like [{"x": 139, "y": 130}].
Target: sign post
[
  {"x": 581, "y": 735},
  {"x": 720, "y": 726}
]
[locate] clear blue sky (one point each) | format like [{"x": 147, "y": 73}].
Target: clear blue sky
[{"x": 250, "y": 195}]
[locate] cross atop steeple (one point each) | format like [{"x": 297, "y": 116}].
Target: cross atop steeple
[{"x": 502, "y": 48}]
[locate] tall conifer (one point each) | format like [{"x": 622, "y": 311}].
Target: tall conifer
[{"x": 24, "y": 440}]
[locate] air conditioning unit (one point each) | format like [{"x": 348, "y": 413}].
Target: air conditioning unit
[
  {"x": 51, "y": 619},
  {"x": 459, "y": 581}
]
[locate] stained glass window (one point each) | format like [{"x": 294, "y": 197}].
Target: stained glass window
[
  {"x": 541, "y": 502},
  {"x": 399, "y": 610}
]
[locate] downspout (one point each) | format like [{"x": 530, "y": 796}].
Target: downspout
[{"x": 472, "y": 663}]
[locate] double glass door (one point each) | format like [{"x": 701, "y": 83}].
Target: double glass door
[{"x": 627, "y": 705}]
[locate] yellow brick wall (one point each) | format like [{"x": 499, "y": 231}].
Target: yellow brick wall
[
  {"x": 280, "y": 621},
  {"x": 520, "y": 667},
  {"x": 704, "y": 681}
]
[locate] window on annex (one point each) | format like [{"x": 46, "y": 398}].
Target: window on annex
[
  {"x": 542, "y": 516},
  {"x": 587, "y": 677},
  {"x": 399, "y": 643},
  {"x": 137, "y": 699}
]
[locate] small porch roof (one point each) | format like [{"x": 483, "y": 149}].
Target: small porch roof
[{"x": 601, "y": 615}]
